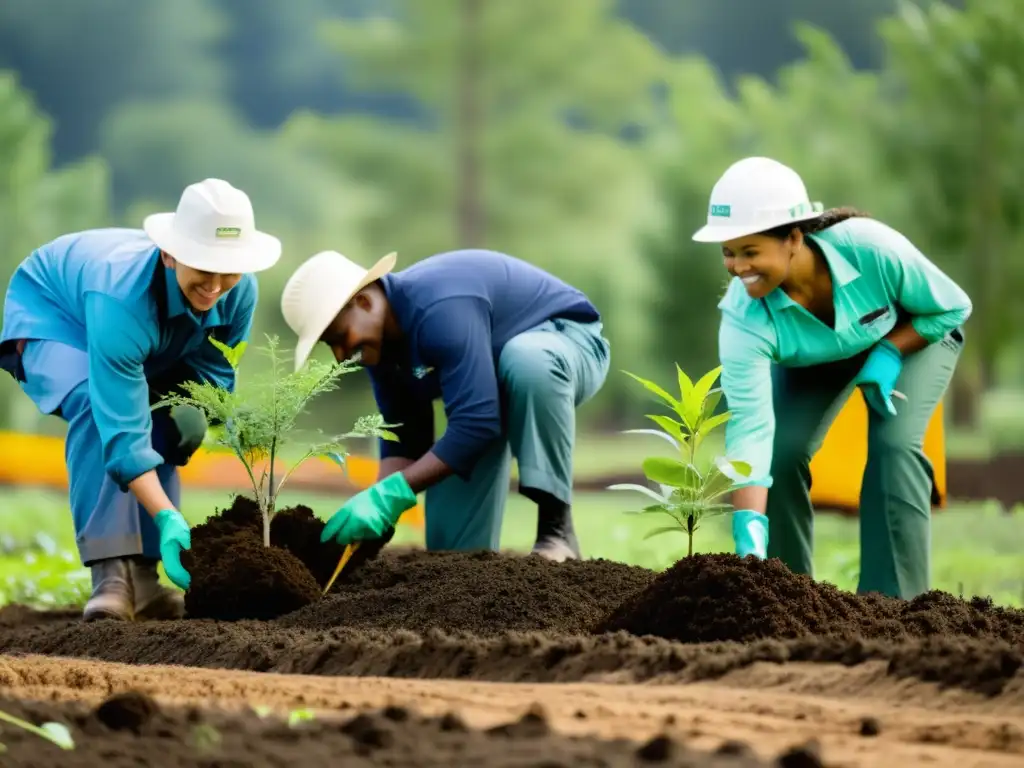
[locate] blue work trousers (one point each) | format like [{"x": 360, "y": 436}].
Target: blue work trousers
[
  {"x": 544, "y": 375},
  {"x": 108, "y": 522}
]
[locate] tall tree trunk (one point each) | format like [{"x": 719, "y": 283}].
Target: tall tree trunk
[{"x": 470, "y": 213}]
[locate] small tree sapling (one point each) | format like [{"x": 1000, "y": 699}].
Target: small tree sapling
[
  {"x": 686, "y": 494},
  {"x": 257, "y": 426}
]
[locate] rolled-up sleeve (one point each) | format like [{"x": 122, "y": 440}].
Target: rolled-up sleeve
[
  {"x": 118, "y": 392},
  {"x": 455, "y": 338},
  {"x": 936, "y": 303},
  {"x": 209, "y": 362},
  {"x": 414, "y": 416},
  {"x": 746, "y": 358}
]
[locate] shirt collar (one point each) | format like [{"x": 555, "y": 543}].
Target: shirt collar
[{"x": 843, "y": 273}]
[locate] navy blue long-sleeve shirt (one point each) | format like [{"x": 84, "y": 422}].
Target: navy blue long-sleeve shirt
[{"x": 457, "y": 310}]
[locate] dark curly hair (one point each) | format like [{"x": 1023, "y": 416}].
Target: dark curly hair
[{"x": 827, "y": 219}]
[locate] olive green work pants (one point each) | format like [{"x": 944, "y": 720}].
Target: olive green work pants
[{"x": 896, "y": 490}]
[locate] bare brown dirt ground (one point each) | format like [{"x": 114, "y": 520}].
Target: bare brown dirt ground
[{"x": 771, "y": 707}]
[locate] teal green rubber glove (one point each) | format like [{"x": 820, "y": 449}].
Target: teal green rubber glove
[
  {"x": 175, "y": 536},
  {"x": 750, "y": 533},
  {"x": 369, "y": 513},
  {"x": 877, "y": 378}
]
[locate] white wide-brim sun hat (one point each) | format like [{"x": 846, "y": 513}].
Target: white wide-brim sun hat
[
  {"x": 214, "y": 230},
  {"x": 753, "y": 195},
  {"x": 319, "y": 289}
]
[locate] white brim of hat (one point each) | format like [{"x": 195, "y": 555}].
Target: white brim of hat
[
  {"x": 329, "y": 309},
  {"x": 721, "y": 234},
  {"x": 258, "y": 252}
]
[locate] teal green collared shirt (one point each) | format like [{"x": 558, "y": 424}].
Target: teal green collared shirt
[{"x": 876, "y": 271}]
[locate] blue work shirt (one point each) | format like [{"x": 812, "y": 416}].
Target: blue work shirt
[
  {"x": 878, "y": 276},
  {"x": 457, "y": 310},
  {"x": 106, "y": 293}
]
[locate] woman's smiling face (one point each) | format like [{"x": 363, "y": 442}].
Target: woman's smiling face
[{"x": 762, "y": 262}]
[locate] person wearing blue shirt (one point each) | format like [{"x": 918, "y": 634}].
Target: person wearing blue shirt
[
  {"x": 97, "y": 325},
  {"x": 512, "y": 352}
]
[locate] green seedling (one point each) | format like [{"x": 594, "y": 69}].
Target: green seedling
[
  {"x": 53, "y": 732},
  {"x": 205, "y": 737},
  {"x": 257, "y": 426},
  {"x": 298, "y": 716},
  {"x": 686, "y": 494}
]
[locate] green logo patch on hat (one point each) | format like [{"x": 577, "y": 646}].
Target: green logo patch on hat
[
  {"x": 725, "y": 211},
  {"x": 233, "y": 232}
]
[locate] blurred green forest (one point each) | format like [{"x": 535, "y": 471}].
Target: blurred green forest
[{"x": 582, "y": 135}]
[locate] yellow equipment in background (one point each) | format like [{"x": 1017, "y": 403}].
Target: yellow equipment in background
[{"x": 837, "y": 468}]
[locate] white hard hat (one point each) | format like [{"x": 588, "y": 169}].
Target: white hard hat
[
  {"x": 319, "y": 289},
  {"x": 214, "y": 230},
  {"x": 753, "y": 195}
]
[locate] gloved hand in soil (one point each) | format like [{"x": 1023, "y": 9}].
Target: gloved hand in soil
[
  {"x": 174, "y": 537},
  {"x": 371, "y": 512},
  {"x": 750, "y": 532},
  {"x": 877, "y": 378}
]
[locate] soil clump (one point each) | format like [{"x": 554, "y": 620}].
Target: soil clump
[
  {"x": 133, "y": 731},
  {"x": 234, "y": 576},
  {"x": 721, "y": 597}
]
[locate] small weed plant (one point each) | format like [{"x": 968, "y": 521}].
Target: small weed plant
[
  {"x": 686, "y": 494},
  {"x": 256, "y": 426},
  {"x": 56, "y": 733}
]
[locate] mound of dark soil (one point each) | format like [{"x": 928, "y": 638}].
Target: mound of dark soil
[
  {"x": 235, "y": 577},
  {"x": 485, "y": 593},
  {"x": 133, "y": 731},
  {"x": 985, "y": 666},
  {"x": 708, "y": 598}
]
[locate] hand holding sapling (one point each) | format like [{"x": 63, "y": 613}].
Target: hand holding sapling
[{"x": 686, "y": 494}]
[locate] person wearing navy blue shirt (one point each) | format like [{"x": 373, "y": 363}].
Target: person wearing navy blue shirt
[
  {"x": 96, "y": 326},
  {"x": 512, "y": 352}
]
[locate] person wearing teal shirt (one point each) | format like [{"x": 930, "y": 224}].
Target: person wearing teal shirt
[
  {"x": 822, "y": 303},
  {"x": 97, "y": 325}
]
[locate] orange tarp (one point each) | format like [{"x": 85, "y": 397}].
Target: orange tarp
[{"x": 39, "y": 460}]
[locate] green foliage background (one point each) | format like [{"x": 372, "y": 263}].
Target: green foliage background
[{"x": 583, "y": 135}]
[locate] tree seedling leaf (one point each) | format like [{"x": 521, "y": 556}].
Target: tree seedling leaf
[
  {"x": 650, "y": 386},
  {"x": 687, "y": 495}
]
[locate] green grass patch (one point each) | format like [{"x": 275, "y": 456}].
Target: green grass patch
[{"x": 976, "y": 548}]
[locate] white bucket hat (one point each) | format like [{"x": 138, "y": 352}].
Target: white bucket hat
[
  {"x": 755, "y": 194},
  {"x": 319, "y": 289},
  {"x": 214, "y": 230}
]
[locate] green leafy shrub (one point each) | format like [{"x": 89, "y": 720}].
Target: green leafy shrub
[
  {"x": 256, "y": 426},
  {"x": 686, "y": 494}
]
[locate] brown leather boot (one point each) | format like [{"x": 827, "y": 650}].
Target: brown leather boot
[
  {"x": 112, "y": 594},
  {"x": 154, "y": 601}
]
